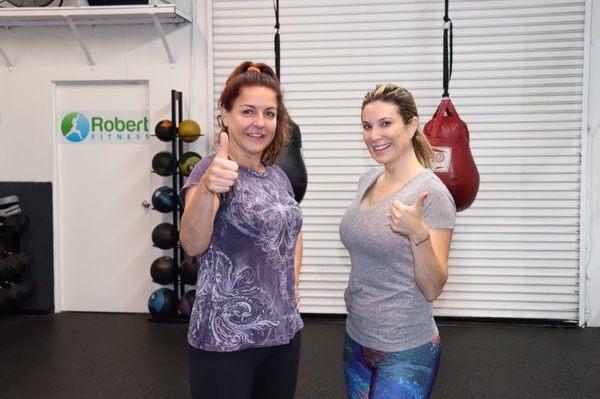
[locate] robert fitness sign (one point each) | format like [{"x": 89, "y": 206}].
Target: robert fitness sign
[{"x": 103, "y": 127}]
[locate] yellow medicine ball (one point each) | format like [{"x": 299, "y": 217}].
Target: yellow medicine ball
[{"x": 189, "y": 131}]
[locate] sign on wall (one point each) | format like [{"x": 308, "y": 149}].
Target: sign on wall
[{"x": 104, "y": 127}]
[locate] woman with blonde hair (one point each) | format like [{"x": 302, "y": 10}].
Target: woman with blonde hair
[{"x": 397, "y": 231}]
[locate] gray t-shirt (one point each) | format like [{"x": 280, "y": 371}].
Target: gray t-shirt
[{"x": 386, "y": 309}]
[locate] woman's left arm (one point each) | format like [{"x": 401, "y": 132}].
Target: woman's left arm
[
  {"x": 297, "y": 266},
  {"x": 430, "y": 247},
  {"x": 431, "y": 261}
]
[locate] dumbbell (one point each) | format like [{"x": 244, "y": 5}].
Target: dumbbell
[{"x": 12, "y": 265}]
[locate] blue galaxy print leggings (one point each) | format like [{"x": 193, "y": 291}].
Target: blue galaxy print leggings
[{"x": 372, "y": 374}]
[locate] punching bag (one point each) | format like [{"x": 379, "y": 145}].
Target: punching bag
[
  {"x": 291, "y": 161},
  {"x": 453, "y": 162},
  {"x": 449, "y": 137}
]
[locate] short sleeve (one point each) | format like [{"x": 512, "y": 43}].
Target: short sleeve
[
  {"x": 366, "y": 180},
  {"x": 286, "y": 179},
  {"x": 194, "y": 177},
  {"x": 439, "y": 210}
]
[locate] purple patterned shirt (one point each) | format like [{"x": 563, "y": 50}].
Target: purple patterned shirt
[{"x": 245, "y": 290}]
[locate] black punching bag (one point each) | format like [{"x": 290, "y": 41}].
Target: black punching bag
[{"x": 291, "y": 161}]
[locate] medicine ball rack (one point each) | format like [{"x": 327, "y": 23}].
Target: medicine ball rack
[
  {"x": 177, "y": 210},
  {"x": 177, "y": 180}
]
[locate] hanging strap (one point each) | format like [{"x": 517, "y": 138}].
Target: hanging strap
[
  {"x": 447, "y": 52},
  {"x": 277, "y": 43}
]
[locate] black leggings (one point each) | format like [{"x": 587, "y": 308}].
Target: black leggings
[{"x": 254, "y": 373}]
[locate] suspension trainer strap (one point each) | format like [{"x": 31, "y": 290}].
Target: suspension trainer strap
[
  {"x": 277, "y": 43},
  {"x": 447, "y": 51}
]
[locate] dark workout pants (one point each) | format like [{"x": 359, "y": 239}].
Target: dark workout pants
[{"x": 254, "y": 373}]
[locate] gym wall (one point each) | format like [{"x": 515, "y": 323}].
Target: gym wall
[
  {"x": 519, "y": 83},
  {"x": 48, "y": 58},
  {"x": 592, "y": 243},
  {"x": 324, "y": 96}
]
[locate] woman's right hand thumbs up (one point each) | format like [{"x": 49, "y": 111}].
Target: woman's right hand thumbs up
[{"x": 222, "y": 173}]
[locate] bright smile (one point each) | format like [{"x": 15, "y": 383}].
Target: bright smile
[{"x": 381, "y": 147}]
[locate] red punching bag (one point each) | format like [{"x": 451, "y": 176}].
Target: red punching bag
[
  {"x": 453, "y": 162},
  {"x": 449, "y": 137}
]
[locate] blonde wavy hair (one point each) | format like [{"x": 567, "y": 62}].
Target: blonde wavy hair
[{"x": 407, "y": 109}]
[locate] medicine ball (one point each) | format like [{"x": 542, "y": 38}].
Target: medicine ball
[
  {"x": 188, "y": 271},
  {"x": 163, "y": 270},
  {"x": 163, "y": 199},
  {"x": 165, "y": 131},
  {"x": 163, "y": 303},
  {"x": 163, "y": 163},
  {"x": 187, "y": 162},
  {"x": 187, "y": 303},
  {"x": 189, "y": 131},
  {"x": 164, "y": 236}
]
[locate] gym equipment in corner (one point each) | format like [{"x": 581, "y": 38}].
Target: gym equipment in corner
[
  {"x": 188, "y": 161},
  {"x": 163, "y": 199},
  {"x": 189, "y": 131},
  {"x": 165, "y": 131},
  {"x": 163, "y": 163},
  {"x": 165, "y": 236},
  {"x": 163, "y": 270},
  {"x": 188, "y": 271},
  {"x": 163, "y": 303},
  {"x": 187, "y": 303}
]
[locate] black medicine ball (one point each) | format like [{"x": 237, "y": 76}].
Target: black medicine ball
[
  {"x": 164, "y": 236},
  {"x": 165, "y": 131},
  {"x": 188, "y": 271},
  {"x": 163, "y": 163},
  {"x": 163, "y": 270}
]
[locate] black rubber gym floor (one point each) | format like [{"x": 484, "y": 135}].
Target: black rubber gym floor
[{"x": 91, "y": 355}]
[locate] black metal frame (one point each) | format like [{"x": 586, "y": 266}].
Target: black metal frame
[{"x": 177, "y": 184}]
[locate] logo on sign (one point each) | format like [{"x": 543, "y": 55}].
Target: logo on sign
[
  {"x": 441, "y": 159},
  {"x": 105, "y": 127},
  {"x": 75, "y": 127}
]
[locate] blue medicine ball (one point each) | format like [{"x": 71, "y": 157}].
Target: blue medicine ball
[
  {"x": 163, "y": 199},
  {"x": 163, "y": 303}
]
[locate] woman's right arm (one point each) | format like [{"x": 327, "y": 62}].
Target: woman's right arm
[
  {"x": 198, "y": 219},
  {"x": 202, "y": 201}
]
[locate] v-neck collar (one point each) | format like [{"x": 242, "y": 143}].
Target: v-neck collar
[{"x": 387, "y": 197}]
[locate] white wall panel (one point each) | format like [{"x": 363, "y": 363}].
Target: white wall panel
[{"x": 517, "y": 82}]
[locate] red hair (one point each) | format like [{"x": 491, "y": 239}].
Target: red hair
[{"x": 248, "y": 74}]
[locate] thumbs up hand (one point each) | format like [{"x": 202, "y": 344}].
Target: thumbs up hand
[
  {"x": 408, "y": 219},
  {"x": 222, "y": 173}
]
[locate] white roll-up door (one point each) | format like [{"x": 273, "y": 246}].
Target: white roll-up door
[{"x": 517, "y": 82}]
